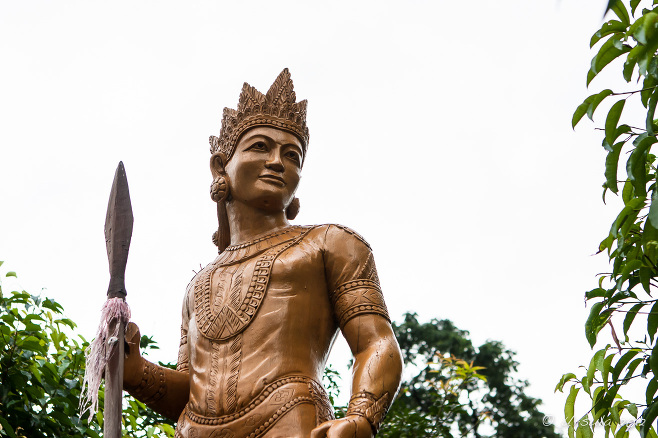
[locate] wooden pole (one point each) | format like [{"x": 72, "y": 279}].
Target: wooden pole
[{"x": 114, "y": 383}]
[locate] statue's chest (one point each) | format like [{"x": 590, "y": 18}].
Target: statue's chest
[{"x": 229, "y": 292}]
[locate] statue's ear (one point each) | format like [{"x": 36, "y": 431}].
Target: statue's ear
[{"x": 217, "y": 163}]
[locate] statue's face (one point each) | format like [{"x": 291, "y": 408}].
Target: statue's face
[{"x": 265, "y": 168}]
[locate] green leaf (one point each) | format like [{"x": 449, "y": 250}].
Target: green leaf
[
  {"x": 584, "y": 429},
  {"x": 614, "y": 412},
  {"x": 622, "y": 362},
  {"x": 632, "y": 409},
  {"x": 611, "y": 165},
  {"x": 636, "y": 165},
  {"x": 651, "y": 109},
  {"x": 608, "y": 52},
  {"x": 644, "y": 34},
  {"x": 595, "y": 363},
  {"x": 652, "y": 386},
  {"x": 609, "y": 27},
  {"x": 631, "y": 60},
  {"x": 10, "y": 274},
  {"x": 649, "y": 415},
  {"x": 652, "y": 217},
  {"x": 605, "y": 371},
  {"x": 619, "y": 9},
  {"x": 634, "y": 4},
  {"x": 597, "y": 99},
  {"x": 569, "y": 408},
  {"x": 612, "y": 120},
  {"x": 645, "y": 279},
  {"x": 630, "y": 316},
  {"x": 629, "y": 268},
  {"x": 652, "y": 321},
  {"x": 653, "y": 360},
  {"x": 563, "y": 380},
  {"x": 597, "y": 319}
]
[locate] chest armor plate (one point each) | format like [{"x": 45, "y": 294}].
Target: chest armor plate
[{"x": 221, "y": 306}]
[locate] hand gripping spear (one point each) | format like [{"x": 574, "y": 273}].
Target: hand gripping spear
[{"x": 106, "y": 352}]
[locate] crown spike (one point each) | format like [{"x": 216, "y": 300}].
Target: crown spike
[{"x": 281, "y": 90}]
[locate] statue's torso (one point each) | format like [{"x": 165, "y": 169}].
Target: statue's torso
[
  {"x": 258, "y": 326},
  {"x": 284, "y": 330}
]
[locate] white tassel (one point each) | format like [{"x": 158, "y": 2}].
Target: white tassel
[{"x": 98, "y": 353}]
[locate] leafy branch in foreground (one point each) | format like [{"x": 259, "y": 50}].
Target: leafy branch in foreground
[
  {"x": 632, "y": 242},
  {"x": 41, "y": 371}
]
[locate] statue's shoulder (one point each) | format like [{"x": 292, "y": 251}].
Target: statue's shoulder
[{"x": 333, "y": 235}]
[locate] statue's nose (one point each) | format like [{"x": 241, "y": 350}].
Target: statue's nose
[{"x": 275, "y": 163}]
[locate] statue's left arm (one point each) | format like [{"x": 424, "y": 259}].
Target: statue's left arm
[
  {"x": 360, "y": 311},
  {"x": 164, "y": 390}
]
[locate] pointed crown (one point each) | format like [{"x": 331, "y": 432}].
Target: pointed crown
[{"x": 277, "y": 109}]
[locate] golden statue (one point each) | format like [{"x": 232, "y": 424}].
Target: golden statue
[{"x": 260, "y": 320}]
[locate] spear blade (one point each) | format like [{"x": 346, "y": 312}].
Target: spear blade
[{"x": 118, "y": 232}]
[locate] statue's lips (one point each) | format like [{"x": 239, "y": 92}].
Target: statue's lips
[{"x": 273, "y": 179}]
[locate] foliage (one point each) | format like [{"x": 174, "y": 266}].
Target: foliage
[
  {"x": 632, "y": 243},
  {"x": 41, "y": 370},
  {"x": 453, "y": 379},
  {"x": 466, "y": 397}
]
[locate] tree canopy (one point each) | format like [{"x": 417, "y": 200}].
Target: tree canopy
[{"x": 457, "y": 389}]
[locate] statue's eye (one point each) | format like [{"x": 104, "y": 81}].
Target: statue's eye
[
  {"x": 294, "y": 156},
  {"x": 259, "y": 146}
]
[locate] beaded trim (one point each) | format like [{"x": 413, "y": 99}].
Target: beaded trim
[
  {"x": 358, "y": 297},
  {"x": 260, "y": 239},
  {"x": 366, "y": 405}
]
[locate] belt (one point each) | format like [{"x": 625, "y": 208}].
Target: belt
[{"x": 273, "y": 402}]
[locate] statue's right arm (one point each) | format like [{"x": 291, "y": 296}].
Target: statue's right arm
[{"x": 164, "y": 390}]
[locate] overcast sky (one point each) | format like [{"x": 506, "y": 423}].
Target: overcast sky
[{"x": 440, "y": 131}]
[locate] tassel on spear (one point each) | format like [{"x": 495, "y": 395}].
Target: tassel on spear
[{"x": 105, "y": 355}]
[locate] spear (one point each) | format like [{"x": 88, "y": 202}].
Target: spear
[{"x": 106, "y": 352}]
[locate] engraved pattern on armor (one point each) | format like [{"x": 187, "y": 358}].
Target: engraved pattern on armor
[
  {"x": 358, "y": 297},
  {"x": 323, "y": 409},
  {"x": 153, "y": 385},
  {"x": 183, "y": 355},
  {"x": 235, "y": 360},
  {"x": 211, "y": 397},
  {"x": 282, "y": 396},
  {"x": 220, "y": 288},
  {"x": 230, "y": 321},
  {"x": 369, "y": 270},
  {"x": 235, "y": 351},
  {"x": 366, "y": 405}
]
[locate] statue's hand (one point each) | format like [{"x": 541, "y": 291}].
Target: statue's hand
[
  {"x": 352, "y": 426},
  {"x": 133, "y": 364}
]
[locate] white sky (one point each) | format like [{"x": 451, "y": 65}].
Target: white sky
[{"x": 439, "y": 130}]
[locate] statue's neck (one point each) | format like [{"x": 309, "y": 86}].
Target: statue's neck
[{"x": 247, "y": 222}]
